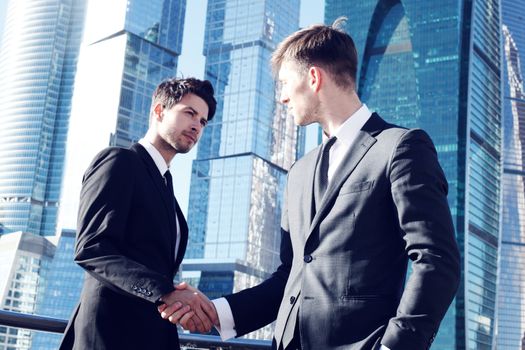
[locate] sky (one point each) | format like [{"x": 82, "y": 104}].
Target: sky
[{"x": 191, "y": 63}]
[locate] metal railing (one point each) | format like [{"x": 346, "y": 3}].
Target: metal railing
[{"x": 187, "y": 341}]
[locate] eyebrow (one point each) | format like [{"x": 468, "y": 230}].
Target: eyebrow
[{"x": 192, "y": 109}]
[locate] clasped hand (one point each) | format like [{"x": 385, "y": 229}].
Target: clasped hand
[{"x": 190, "y": 308}]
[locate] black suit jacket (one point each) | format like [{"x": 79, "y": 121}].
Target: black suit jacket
[
  {"x": 343, "y": 268},
  {"x": 126, "y": 239}
]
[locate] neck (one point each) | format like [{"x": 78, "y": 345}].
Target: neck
[
  {"x": 166, "y": 151},
  {"x": 338, "y": 108}
]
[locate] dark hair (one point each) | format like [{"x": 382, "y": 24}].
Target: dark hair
[
  {"x": 171, "y": 91},
  {"x": 328, "y": 47}
]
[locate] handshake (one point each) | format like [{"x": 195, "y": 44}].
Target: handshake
[{"x": 190, "y": 308}]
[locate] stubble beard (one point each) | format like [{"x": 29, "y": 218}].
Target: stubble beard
[
  {"x": 177, "y": 146},
  {"x": 309, "y": 116}
]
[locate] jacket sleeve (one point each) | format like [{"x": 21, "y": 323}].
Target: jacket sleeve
[
  {"x": 419, "y": 191},
  {"x": 105, "y": 202},
  {"x": 256, "y": 307}
]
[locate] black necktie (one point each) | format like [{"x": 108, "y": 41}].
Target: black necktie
[
  {"x": 321, "y": 173},
  {"x": 169, "y": 184}
]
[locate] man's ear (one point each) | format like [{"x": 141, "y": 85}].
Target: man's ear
[
  {"x": 315, "y": 78},
  {"x": 158, "y": 111}
]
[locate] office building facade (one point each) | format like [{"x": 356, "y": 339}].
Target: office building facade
[
  {"x": 436, "y": 65},
  {"x": 511, "y": 286},
  {"x": 245, "y": 152},
  {"x": 129, "y": 46},
  {"x": 60, "y": 290},
  {"x": 25, "y": 260},
  {"x": 38, "y": 58}
]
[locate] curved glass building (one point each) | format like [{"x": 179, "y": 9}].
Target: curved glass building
[
  {"x": 511, "y": 291},
  {"x": 436, "y": 65},
  {"x": 38, "y": 59}
]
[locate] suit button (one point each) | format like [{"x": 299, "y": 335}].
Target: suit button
[
  {"x": 308, "y": 258},
  {"x": 292, "y": 300},
  {"x": 149, "y": 293}
]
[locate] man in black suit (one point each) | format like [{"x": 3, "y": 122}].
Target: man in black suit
[
  {"x": 132, "y": 235},
  {"x": 356, "y": 209}
]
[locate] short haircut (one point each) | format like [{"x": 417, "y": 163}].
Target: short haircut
[
  {"x": 171, "y": 91},
  {"x": 327, "y": 47}
]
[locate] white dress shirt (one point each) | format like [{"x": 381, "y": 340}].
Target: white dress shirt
[
  {"x": 163, "y": 167},
  {"x": 345, "y": 134}
]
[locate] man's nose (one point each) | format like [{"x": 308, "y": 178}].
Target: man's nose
[
  {"x": 283, "y": 98},
  {"x": 196, "y": 125}
]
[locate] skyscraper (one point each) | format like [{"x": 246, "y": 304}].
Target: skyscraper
[
  {"x": 436, "y": 65},
  {"x": 25, "y": 260},
  {"x": 59, "y": 293},
  {"x": 129, "y": 46},
  {"x": 511, "y": 286},
  {"x": 38, "y": 60},
  {"x": 245, "y": 152}
]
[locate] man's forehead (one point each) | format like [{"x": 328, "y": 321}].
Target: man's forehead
[{"x": 287, "y": 68}]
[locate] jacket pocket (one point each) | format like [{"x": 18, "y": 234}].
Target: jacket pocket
[{"x": 354, "y": 187}]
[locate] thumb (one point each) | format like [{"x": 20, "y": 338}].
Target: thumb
[{"x": 180, "y": 286}]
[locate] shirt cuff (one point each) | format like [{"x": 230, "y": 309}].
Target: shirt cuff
[
  {"x": 227, "y": 324},
  {"x": 383, "y": 347}
]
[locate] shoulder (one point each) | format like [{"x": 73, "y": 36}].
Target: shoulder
[
  {"x": 305, "y": 160},
  {"x": 114, "y": 159}
]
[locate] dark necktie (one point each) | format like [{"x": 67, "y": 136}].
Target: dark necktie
[
  {"x": 169, "y": 183},
  {"x": 321, "y": 173}
]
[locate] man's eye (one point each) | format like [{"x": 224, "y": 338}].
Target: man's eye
[{"x": 204, "y": 122}]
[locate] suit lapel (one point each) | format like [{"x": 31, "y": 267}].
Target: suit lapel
[
  {"x": 160, "y": 186},
  {"x": 183, "y": 234},
  {"x": 309, "y": 206},
  {"x": 364, "y": 140}
]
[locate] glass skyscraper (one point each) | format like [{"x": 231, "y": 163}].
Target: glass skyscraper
[
  {"x": 245, "y": 152},
  {"x": 60, "y": 291},
  {"x": 129, "y": 46},
  {"x": 511, "y": 286},
  {"x": 38, "y": 58},
  {"x": 25, "y": 260},
  {"x": 436, "y": 65}
]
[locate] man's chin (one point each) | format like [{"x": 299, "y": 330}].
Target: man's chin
[
  {"x": 299, "y": 121},
  {"x": 302, "y": 121},
  {"x": 184, "y": 149}
]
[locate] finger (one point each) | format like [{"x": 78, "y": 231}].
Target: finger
[
  {"x": 177, "y": 315},
  {"x": 198, "y": 325},
  {"x": 187, "y": 322},
  {"x": 161, "y": 307},
  {"x": 206, "y": 322},
  {"x": 170, "y": 309},
  {"x": 205, "y": 310},
  {"x": 211, "y": 312},
  {"x": 182, "y": 285}
]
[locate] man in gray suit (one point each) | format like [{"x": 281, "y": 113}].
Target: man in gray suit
[{"x": 357, "y": 208}]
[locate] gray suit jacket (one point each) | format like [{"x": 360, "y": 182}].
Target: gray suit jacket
[{"x": 344, "y": 267}]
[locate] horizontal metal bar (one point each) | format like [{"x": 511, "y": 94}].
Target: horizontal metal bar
[
  {"x": 34, "y": 322},
  {"x": 57, "y": 325}
]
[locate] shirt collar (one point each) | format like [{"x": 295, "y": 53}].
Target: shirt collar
[
  {"x": 155, "y": 155},
  {"x": 347, "y": 132}
]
